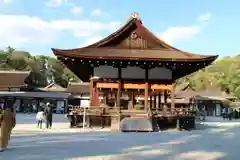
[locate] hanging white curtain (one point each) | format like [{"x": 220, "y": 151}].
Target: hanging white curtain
[{"x": 218, "y": 109}]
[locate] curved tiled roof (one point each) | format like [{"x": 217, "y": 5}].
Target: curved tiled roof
[{"x": 118, "y": 46}]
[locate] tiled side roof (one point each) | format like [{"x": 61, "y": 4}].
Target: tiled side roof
[
  {"x": 78, "y": 88},
  {"x": 13, "y": 78}
]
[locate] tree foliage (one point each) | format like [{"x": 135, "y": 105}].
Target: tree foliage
[
  {"x": 45, "y": 69},
  {"x": 224, "y": 73}
]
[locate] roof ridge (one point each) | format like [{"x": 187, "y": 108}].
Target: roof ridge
[
  {"x": 53, "y": 84},
  {"x": 14, "y": 71}
]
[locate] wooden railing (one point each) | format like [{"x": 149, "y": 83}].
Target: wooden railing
[
  {"x": 172, "y": 112},
  {"x": 133, "y": 86},
  {"x": 114, "y": 111}
]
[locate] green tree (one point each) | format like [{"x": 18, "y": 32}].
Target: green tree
[{"x": 224, "y": 73}]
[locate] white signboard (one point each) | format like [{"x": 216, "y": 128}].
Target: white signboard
[
  {"x": 85, "y": 103},
  {"x": 106, "y": 72},
  {"x": 133, "y": 73},
  {"x": 60, "y": 107},
  {"x": 160, "y": 73}
]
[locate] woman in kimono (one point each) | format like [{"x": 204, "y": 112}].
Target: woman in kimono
[{"x": 8, "y": 122}]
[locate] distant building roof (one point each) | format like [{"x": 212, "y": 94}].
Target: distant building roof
[
  {"x": 215, "y": 91},
  {"x": 13, "y": 79},
  {"x": 78, "y": 88},
  {"x": 53, "y": 87},
  {"x": 211, "y": 93},
  {"x": 184, "y": 91},
  {"x": 55, "y": 95}
]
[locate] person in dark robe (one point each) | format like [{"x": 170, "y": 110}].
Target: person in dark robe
[
  {"x": 7, "y": 123},
  {"x": 238, "y": 112},
  {"x": 48, "y": 114},
  {"x": 230, "y": 113}
]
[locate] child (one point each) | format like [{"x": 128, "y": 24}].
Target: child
[{"x": 40, "y": 118}]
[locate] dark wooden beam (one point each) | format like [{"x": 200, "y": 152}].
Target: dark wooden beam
[
  {"x": 155, "y": 101},
  {"x": 118, "y": 100},
  {"x": 159, "y": 100},
  {"x": 151, "y": 102}
]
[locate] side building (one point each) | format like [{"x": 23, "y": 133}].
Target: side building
[{"x": 18, "y": 84}]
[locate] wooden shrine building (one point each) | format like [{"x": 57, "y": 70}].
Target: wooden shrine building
[{"x": 130, "y": 62}]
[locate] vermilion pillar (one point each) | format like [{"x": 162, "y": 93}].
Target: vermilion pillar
[
  {"x": 91, "y": 91},
  {"x": 146, "y": 96},
  {"x": 173, "y": 97}
]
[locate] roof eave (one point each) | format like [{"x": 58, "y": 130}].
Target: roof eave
[{"x": 70, "y": 55}]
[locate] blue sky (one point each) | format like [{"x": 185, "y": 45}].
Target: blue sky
[{"x": 204, "y": 27}]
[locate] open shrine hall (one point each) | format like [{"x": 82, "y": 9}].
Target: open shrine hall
[{"x": 133, "y": 61}]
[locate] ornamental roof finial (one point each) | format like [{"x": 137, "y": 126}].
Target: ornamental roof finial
[{"x": 135, "y": 15}]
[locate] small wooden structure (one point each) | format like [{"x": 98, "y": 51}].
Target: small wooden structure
[{"x": 129, "y": 63}]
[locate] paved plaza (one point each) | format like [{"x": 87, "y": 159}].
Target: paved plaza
[{"x": 214, "y": 140}]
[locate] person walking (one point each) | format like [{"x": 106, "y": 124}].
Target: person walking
[
  {"x": 7, "y": 123},
  {"x": 48, "y": 114}
]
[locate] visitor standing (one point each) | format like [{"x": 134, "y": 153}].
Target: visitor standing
[
  {"x": 34, "y": 107},
  {"x": 224, "y": 113},
  {"x": 7, "y": 123},
  {"x": 203, "y": 114},
  {"x": 230, "y": 113},
  {"x": 48, "y": 114},
  {"x": 40, "y": 118}
]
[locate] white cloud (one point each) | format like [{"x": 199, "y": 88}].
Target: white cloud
[
  {"x": 205, "y": 17},
  {"x": 19, "y": 30},
  {"x": 177, "y": 33},
  {"x": 91, "y": 40},
  {"x": 76, "y": 10},
  {"x": 55, "y": 3},
  {"x": 7, "y": 1},
  {"x": 23, "y": 29},
  {"x": 97, "y": 12},
  {"x": 84, "y": 28}
]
